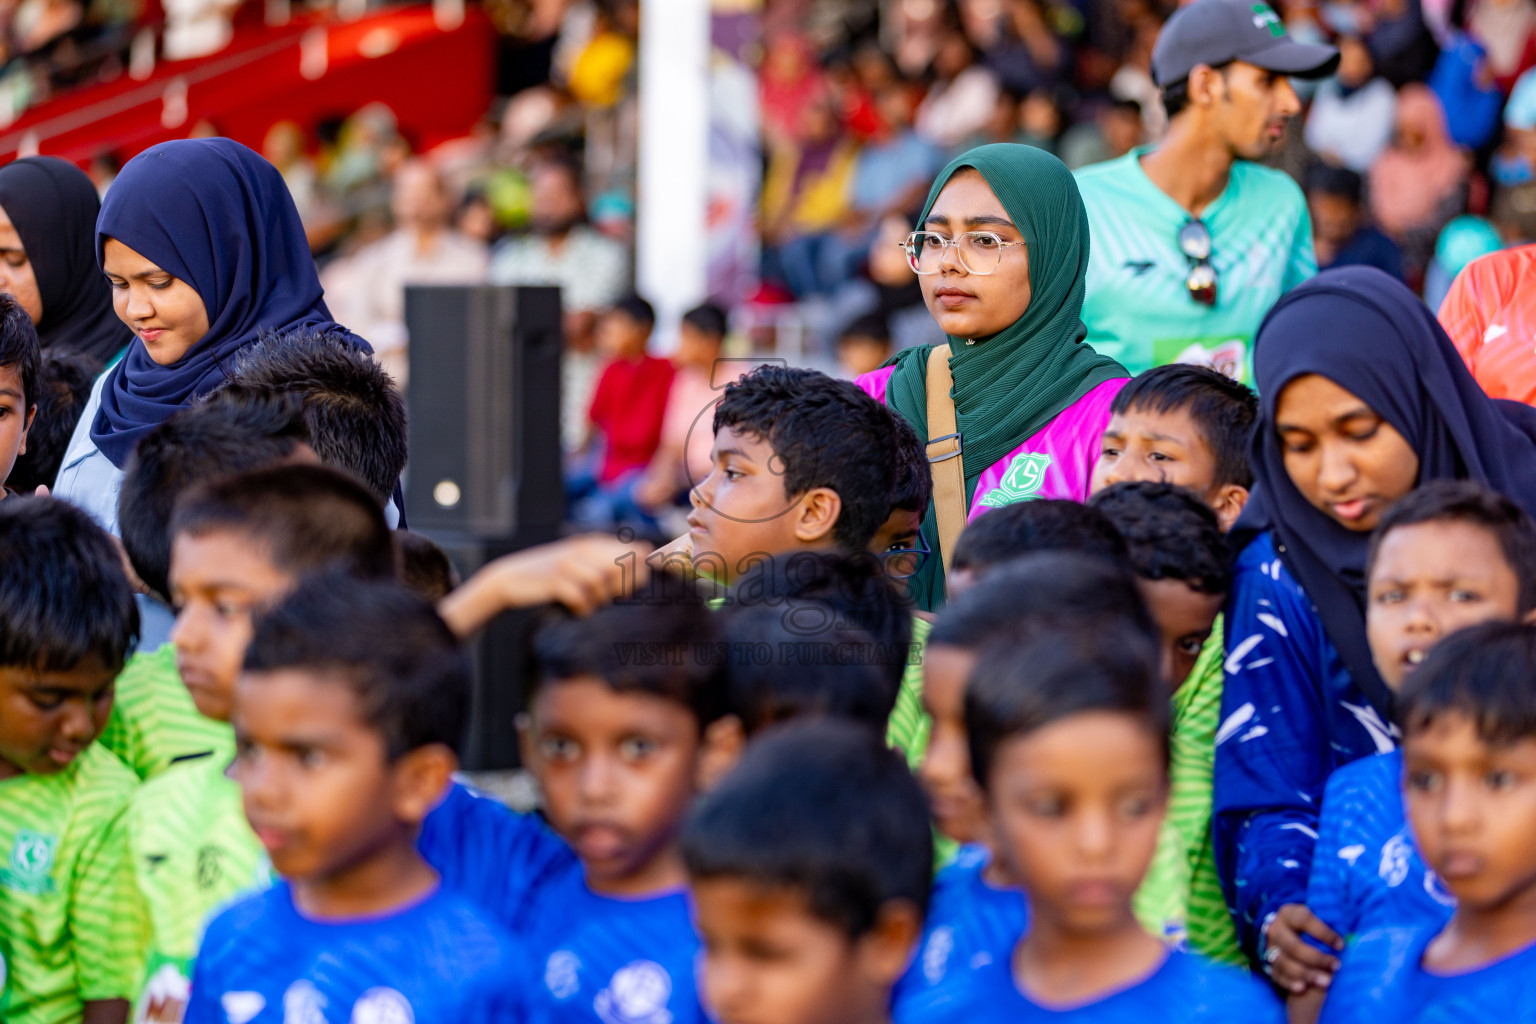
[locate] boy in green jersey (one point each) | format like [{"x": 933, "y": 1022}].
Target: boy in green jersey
[
  {"x": 71, "y": 922},
  {"x": 239, "y": 545},
  {"x": 154, "y": 723}
]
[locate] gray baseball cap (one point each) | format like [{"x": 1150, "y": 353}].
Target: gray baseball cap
[{"x": 1213, "y": 32}]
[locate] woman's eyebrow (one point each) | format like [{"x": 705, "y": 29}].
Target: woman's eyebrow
[{"x": 984, "y": 220}]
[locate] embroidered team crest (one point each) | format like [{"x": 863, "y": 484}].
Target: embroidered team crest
[
  {"x": 1022, "y": 481},
  {"x": 31, "y": 861},
  {"x": 1264, "y": 17}
]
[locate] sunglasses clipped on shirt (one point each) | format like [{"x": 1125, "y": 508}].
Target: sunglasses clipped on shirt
[{"x": 1195, "y": 244}]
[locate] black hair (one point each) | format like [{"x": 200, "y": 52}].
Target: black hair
[
  {"x": 826, "y": 433},
  {"x": 303, "y": 518},
  {"x": 64, "y": 596},
  {"x": 1334, "y": 181},
  {"x": 1045, "y": 524},
  {"x": 64, "y": 382},
  {"x": 825, "y": 809},
  {"x": 1047, "y": 588},
  {"x": 1171, "y": 534},
  {"x": 19, "y": 348},
  {"x": 398, "y": 656},
  {"x": 847, "y": 590},
  {"x": 233, "y": 431},
  {"x": 707, "y": 318},
  {"x": 423, "y": 566},
  {"x": 1483, "y": 672},
  {"x": 1223, "y": 410},
  {"x": 870, "y": 325},
  {"x": 1021, "y": 684},
  {"x": 913, "y": 487},
  {"x": 353, "y": 411},
  {"x": 1467, "y": 501},
  {"x": 637, "y": 309},
  {"x": 663, "y": 648},
  {"x": 796, "y": 661}
]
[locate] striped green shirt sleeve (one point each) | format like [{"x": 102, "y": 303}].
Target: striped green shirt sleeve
[
  {"x": 1181, "y": 897},
  {"x": 72, "y": 925},
  {"x": 154, "y": 722},
  {"x": 907, "y": 730}
]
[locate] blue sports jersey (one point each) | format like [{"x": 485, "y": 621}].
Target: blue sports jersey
[
  {"x": 1367, "y": 872},
  {"x": 490, "y": 854},
  {"x": 605, "y": 960},
  {"x": 970, "y": 924},
  {"x": 1383, "y": 979},
  {"x": 1186, "y": 989},
  {"x": 1291, "y": 715},
  {"x": 441, "y": 961}
]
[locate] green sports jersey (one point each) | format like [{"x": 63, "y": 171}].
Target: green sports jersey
[
  {"x": 154, "y": 722},
  {"x": 908, "y": 727},
  {"x": 1138, "y": 308},
  {"x": 1181, "y": 896},
  {"x": 72, "y": 925},
  {"x": 193, "y": 853}
]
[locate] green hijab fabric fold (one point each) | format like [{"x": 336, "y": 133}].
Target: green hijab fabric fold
[{"x": 1009, "y": 386}]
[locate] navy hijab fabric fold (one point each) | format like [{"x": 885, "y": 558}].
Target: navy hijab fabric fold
[
  {"x": 53, "y": 206},
  {"x": 219, "y": 217},
  {"x": 1370, "y": 335}
]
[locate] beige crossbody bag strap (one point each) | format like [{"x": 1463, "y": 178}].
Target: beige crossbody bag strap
[{"x": 944, "y": 455}]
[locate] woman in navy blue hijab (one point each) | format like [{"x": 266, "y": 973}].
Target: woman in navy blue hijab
[{"x": 204, "y": 250}]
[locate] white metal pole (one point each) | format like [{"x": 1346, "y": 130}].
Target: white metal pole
[{"x": 672, "y": 187}]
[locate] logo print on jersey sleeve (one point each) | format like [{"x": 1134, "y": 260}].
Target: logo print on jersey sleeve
[
  {"x": 636, "y": 994},
  {"x": 1022, "y": 481},
  {"x": 31, "y": 861}
]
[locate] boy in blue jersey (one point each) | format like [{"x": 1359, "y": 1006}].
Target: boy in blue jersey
[
  {"x": 350, "y": 705},
  {"x": 1450, "y": 555},
  {"x": 621, "y": 725},
  {"x": 809, "y": 868},
  {"x": 1068, "y": 735},
  {"x": 1468, "y": 717},
  {"x": 240, "y": 545},
  {"x": 978, "y": 911}
]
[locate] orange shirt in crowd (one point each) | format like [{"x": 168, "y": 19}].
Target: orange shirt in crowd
[{"x": 1490, "y": 313}]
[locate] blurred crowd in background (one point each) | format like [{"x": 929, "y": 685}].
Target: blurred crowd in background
[{"x": 1416, "y": 157}]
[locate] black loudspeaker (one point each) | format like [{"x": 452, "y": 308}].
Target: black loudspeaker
[
  {"x": 484, "y": 403},
  {"x": 484, "y": 476}
]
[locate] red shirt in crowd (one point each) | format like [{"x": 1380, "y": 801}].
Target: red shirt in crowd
[
  {"x": 1490, "y": 313},
  {"x": 628, "y": 406}
]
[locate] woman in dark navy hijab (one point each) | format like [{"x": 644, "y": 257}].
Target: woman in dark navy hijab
[
  {"x": 203, "y": 250},
  {"x": 1364, "y": 399}
]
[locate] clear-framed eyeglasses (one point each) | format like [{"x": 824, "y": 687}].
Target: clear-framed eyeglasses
[{"x": 980, "y": 252}]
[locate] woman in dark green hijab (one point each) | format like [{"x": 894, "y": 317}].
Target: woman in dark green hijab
[{"x": 1001, "y": 251}]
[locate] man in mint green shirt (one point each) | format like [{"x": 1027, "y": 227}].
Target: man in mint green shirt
[{"x": 1193, "y": 242}]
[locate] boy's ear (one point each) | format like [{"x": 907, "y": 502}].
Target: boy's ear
[
  {"x": 885, "y": 951},
  {"x": 31, "y": 415},
  {"x": 422, "y": 778},
  {"x": 817, "y": 513},
  {"x": 724, "y": 740},
  {"x": 1228, "y": 504}
]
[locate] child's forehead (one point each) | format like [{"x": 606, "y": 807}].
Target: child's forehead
[
  {"x": 595, "y": 701},
  {"x": 1176, "y": 424},
  {"x": 10, "y": 377},
  {"x": 228, "y": 550},
  {"x": 1459, "y": 545},
  {"x": 755, "y": 446},
  {"x": 1069, "y": 750},
  {"x": 85, "y": 676}
]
